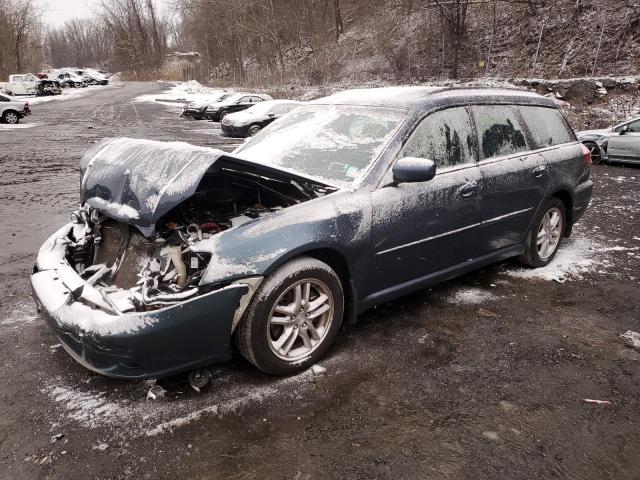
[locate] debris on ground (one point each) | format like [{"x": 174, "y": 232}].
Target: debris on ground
[
  {"x": 318, "y": 370},
  {"x": 199, "y": 378},
  {"x": 491, "y": 435},
  {"x": 156, "y": 392},
  {"x": 57, "y": 437},
  {"x": 597, "y": 402},
  {"x": 631, "y": 339},
  {"x": 483, "y": 312},
  {"x": 100, "y": 446}
]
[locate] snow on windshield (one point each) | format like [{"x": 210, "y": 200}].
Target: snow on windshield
[{"x": 335, "y": 143}]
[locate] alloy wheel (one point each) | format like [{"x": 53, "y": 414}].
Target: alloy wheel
[
  {"x": 549, "y": 233},
  {"x": 595, "y": 152},
  {"x": 11, "y": 118},
  {"x": 300, "y": 319}
]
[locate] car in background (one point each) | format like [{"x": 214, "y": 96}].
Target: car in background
[
  {"x": 620, "y": 143},
  {"x": 249, "y": 122},
  {"x": 47, "y": 87},
  {"x": 197, "y": 110},
  {"x": 343, "y": 204},
  {"x": 21, "y": 84},
  {"x": 92, "y": 77},
  {"x": 12, "y": 109},
  {"x": 234, "y": 103},
  {"x": 68, "y": 79}
]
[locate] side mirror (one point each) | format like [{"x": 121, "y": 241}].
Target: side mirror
[
  {"x": 412, "y": 170},
  {"x": 271, "y": 115}
]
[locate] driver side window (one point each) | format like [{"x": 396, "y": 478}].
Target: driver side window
[
  {"x": 634, "y": 127},
  {"x": 446, "y": 137}
]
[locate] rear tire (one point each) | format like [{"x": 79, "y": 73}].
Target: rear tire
[
  {"x": 546, "y": 234},
  {"x": 11, "y": 117},
  {"x": 223, "y": 114},
  {"x": 596, "y": 154},
  {"x": 293, "y": 318}
]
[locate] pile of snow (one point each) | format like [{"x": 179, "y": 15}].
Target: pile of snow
[
  {"x": 471, "y": 296},
  {"x": 19, "y": 126},
  {"x": 576, "y": 257},
  {"x": 183, "y": 92}
]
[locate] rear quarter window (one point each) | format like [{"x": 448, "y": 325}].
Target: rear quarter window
[{"x": 546, "y": 125}]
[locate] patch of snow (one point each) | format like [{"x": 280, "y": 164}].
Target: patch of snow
[
  {"x": 19, "y": 126},
  {"x": 183, "y": 92},
  {"x": 471, "y": 296},
  {"x": 576, "y": 257},
  {"x": 20, "y": 313}
]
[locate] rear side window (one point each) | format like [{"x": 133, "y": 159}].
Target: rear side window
[
  {"x": 256, "y": 99},
  {"x": 446, "y": 137},
  {"x": 499, "y": 131},
  {"x": 546, "y": 125}
]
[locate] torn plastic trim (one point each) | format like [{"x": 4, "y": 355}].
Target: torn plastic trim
[{"x": 253, "y": 283}]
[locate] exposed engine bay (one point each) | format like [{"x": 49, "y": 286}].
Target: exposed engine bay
[{"x": 137, "y": 273}]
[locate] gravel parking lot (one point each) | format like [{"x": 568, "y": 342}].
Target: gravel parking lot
[{"x": 484, "y": 376}]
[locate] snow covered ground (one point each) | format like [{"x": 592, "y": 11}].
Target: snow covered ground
[{"x": 19, "y": 126}]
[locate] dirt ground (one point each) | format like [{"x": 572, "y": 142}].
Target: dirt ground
[{"x": 484, "y": 376}]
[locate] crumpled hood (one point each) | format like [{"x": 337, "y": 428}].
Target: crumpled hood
[{"x": 137, "y": 181}]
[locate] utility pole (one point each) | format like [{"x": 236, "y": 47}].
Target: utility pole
[
  {"x": 595, "y": 60},
  {"x": 535, "y": 57}
]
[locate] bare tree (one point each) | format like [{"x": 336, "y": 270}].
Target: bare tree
[{"x": 454, "y": 15}]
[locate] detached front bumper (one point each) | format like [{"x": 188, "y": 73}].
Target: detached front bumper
[{"x": 135, "y": 345}]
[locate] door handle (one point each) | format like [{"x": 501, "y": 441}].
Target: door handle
[
  {"x": 539, "y": 171},
  {"x": 468, "y": 189}
]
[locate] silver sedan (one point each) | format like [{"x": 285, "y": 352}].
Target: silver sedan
[{"x": 620, "y": 143}]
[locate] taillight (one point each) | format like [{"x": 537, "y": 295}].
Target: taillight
[{"x": 586, "y": 155}]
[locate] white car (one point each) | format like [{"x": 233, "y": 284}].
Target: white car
[
  {"x": 21, "y": 84},
  {"x": 620, "y": 143},
  {"x": 12, "y": 109}
]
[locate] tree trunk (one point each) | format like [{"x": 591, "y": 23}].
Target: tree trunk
[{"x": 338, "y": 19}]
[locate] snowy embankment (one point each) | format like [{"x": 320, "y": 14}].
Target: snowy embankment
[{"x": 183, "y": 92}]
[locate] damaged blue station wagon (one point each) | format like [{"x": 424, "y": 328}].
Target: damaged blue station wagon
[{"x": 344, "y": 203}]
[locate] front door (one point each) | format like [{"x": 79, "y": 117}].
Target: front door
[{"x": 423, "y": 228}]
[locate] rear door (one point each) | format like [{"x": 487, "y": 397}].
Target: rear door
[
  {"x": 515, "y": 179},
  {"x": 423, "y": 228},
  {"x": 624, "y": 146}
]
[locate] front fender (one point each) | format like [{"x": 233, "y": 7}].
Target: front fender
[{"x": 341, "y": 223}]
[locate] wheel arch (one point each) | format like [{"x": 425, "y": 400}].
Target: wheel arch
[
  {"x": 567, "y": 200},
  {"x": 337, "y": 261}
]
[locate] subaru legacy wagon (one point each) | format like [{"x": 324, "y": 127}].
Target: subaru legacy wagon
[{"x": 346, "y": 202}]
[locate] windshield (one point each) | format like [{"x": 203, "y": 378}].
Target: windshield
[{"x": 335, "y": 143}]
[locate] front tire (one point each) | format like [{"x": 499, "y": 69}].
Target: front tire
[
  {"x": 293, "y": 318},
  {"x": 254, "y": 130},
  {"x": 546, "y": 235},
  {"x": 223, "y": 114}
]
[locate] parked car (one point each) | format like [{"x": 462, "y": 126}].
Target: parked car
[
  {"x": 250, "y": 121},
  {"x": 345, "y": 203},
  {"x": 234, "y": 103},
  {"x": 12, "y": 109},
  {"x": 197, "y": 110},
  {"x": 620, "y": 143},
  {"x": 67, "y": 79},
  {"x": 91, "y": 77},
  {"x": 48, "y": 87},
  {"x": 21, "y": 84}
]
